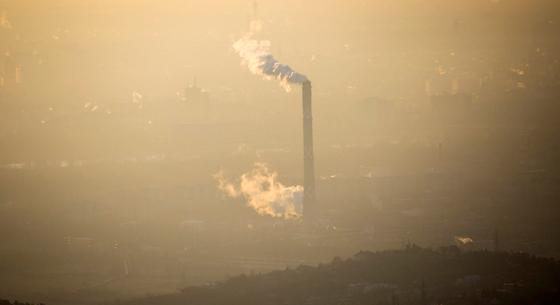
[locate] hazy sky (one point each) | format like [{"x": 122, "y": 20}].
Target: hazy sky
[
  {"x": 158, "y": 46},
  {"x": 432, "y": 119}
]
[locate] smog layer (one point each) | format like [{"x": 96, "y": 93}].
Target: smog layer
[{"x": 147, "y": 146}]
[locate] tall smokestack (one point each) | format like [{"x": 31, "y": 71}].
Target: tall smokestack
[{"x": 309, "y": 208}]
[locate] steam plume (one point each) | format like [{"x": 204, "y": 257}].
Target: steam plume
[
  {"x": 264, "y": 193},
  {"x": 256, "y": 55},
  {"x": 463, "y": 240}
]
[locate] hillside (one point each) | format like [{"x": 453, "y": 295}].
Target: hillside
[{"x": 411, "y": 276}]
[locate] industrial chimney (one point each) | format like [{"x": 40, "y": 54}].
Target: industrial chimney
[{"x": 309, "y": 208}]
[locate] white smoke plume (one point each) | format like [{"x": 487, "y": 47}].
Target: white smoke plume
[
  {"x": 256, "y": 55},
  {"x": 264, "y": 193},
  {"x": 463, "y": 240}
]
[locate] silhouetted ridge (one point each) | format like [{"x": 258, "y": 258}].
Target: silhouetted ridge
[
  {"x": 7, "y": 302},
  {"x": 411, "y": 276}
]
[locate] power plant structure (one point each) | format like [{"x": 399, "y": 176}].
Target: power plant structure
[
  {"x": 256, "y": 55},
  {"x": 309, "y": 204}
]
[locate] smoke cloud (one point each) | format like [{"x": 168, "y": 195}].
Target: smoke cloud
[
  {"x": 463, "y": 240},
  {"x": 264, "y": 193},
  {"x": 256, "y": 56}
]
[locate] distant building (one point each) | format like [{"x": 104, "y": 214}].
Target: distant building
[
  {"x": 460, "y": 102},
  {"x": 446, "y": 84},
  {"x": 195, "y": 94},
  {"x": 11, "y": 73},
  {"x": 79, "y": 244},
  {"x": 451, "y": 97}
]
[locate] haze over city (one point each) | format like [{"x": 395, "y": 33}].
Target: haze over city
[{"x": 279, "y": 152}]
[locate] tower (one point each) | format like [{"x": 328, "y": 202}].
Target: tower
[{"x": 309, "y": 208}]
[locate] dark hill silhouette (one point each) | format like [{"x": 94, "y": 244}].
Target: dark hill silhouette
[
  {"x": 7, "y": 302},
  {"x": 411, "y": 276}
]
